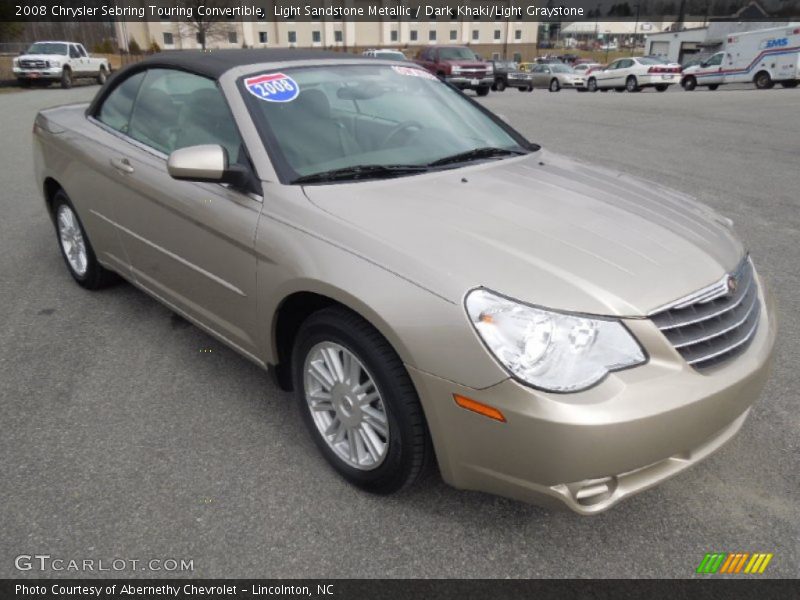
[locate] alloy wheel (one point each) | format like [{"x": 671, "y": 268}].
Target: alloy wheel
[
  {"x": 346, "y": 406},
  {"x": 71, "y": 239}
]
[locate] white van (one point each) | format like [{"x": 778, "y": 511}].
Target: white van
[{"x": 764, "y": 57}]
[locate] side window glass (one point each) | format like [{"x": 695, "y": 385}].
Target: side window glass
[
  {"x": 613, "y": 66},
  {"x": 73, "y": 52},
  {"x": 82, "y": 51},
  {"x": 117, "y": 108},
  {"x": 175, "y": 109},
  {"x": 715, "y": 60}
]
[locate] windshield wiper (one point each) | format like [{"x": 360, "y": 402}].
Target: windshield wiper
[
  {"x": 361, "y": 172},
  {"x": 475, "y": 154}
]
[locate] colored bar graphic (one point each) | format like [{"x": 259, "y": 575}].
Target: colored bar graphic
[{"x": 734, "y": 562}]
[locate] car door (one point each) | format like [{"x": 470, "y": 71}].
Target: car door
[
  {"x": 625, "y": 67},
  {"x": 189, "y": 244},
  {"x": 86, "y": 62},
  {"x": 710, "y": 72},
  {"x": 75, "y": 61},
  {"x": 537, "y": 75},
  {"x": 605, "y": 77}
]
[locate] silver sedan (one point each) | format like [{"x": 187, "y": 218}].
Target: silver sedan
[{"x": 556, "y": 76}]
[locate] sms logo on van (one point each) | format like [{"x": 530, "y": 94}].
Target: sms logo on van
[
  {"x": 275, "y": 87},
  {"x": 774, "y": 43}
]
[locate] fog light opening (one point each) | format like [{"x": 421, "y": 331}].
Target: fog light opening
[{"x": 595, "y": 491}]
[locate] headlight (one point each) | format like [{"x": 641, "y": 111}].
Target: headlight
[
  {"x": 489, "y": 69},
  {"x": 15, "y": 63},
  {"x": 554, "y": 351}
]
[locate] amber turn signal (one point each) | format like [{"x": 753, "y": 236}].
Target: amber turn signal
[{"x": 479, "y": 407}]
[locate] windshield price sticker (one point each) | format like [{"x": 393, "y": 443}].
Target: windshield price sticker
[
  {"x": 412, "y": 72},
  {"x": 275, "y": 87}
]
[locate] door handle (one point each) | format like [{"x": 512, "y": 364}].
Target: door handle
[{"x": 122, "y": 164}]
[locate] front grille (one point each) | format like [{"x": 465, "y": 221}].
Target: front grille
[
  {"x": 473, "y": 72},
  {"x": 715, "y": 324},
  {"x": 33, "y": 64}
]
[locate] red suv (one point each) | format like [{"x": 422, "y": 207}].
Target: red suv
[{"x": 459, "y": 66}]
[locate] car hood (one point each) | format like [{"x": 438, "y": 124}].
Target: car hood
[
  {"x": 540, "y": 228},
  {"x": 50, "y": 57}
]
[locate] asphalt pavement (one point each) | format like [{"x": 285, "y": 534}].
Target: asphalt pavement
[{"x": 126, "y": 433}]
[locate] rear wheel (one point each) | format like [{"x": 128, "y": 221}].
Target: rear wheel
[
  {"x": 763, "y": 80},
  {"x": 359, "y": 403},
  {"x": 500, "y": 85},
  {"x": 632, "y": 84},
  {"x": 482, "y": 91},
  {"x": 713, "y": 86},
  {"x": 75, "y": 247},
  {"x": 530, "y": 88},
  {"x": 689, "y": 83},
  {"x": 66, "y": 78},
  {"x": 102, "y": 75},
  {"x": 554, "y": 85}
]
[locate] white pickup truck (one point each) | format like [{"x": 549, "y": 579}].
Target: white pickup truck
[{"x": 64, "y": 62}]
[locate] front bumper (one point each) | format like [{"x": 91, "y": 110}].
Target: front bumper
[
  {"x": 464, "y": 82},
  {"x": 519, "y": 83},
  {"x": 587, "y": 451},
  {"x": 46, "y": 73}
]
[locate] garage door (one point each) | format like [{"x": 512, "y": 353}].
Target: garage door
[{"x": 659, "y": 49}]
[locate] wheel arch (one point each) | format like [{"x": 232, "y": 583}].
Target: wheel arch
[
  {"x": 50, "y": 187},
  {"x": 296, "y": 306}
]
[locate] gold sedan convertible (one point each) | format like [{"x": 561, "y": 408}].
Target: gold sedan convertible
[{"x": 435, "y": 288}]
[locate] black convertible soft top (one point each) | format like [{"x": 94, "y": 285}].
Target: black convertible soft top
[{"x": 213, "y": 63}]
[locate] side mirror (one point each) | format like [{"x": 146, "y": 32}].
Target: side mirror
[{"x": 207, "y": 163}]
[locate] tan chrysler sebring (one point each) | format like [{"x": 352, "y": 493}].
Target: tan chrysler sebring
[{"x": 432, "y": 286}]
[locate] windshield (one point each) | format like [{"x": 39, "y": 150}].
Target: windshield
[
  {"x": 343, "y": 116},
  {"x": 457, "y": 54},
  {"x": 560, "y": 69},
  {"x": 47, "y": 48}
]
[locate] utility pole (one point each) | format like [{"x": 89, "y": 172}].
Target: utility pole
[{"x": 635, "y": 27}]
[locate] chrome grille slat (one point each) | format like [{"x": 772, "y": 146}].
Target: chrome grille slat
[
  {"x": 746, "y": 338},
  {"x": 707, "y": 327},
  {"x": 706, "y": 317},
  {"x": 724, "y": 326}
]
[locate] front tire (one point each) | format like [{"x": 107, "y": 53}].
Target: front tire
[
  {"x": 500, "y": 85},
  {"x": 359, "y": 403},
  {"x": 689, "y": 84},
  {"x": 75, "y": 247},
  {"x": 763, "y": 80},
  {"x": 66, "y": 79},
  {"x": 591, "y": 85},
  {"x": 555, "y": 85},
  {"x": 102, "y": 75}
]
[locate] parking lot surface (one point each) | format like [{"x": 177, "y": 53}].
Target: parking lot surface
[{"x": 127, "y": 433}]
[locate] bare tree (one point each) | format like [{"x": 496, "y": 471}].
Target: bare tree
[{"x": 205, "y": 28}]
